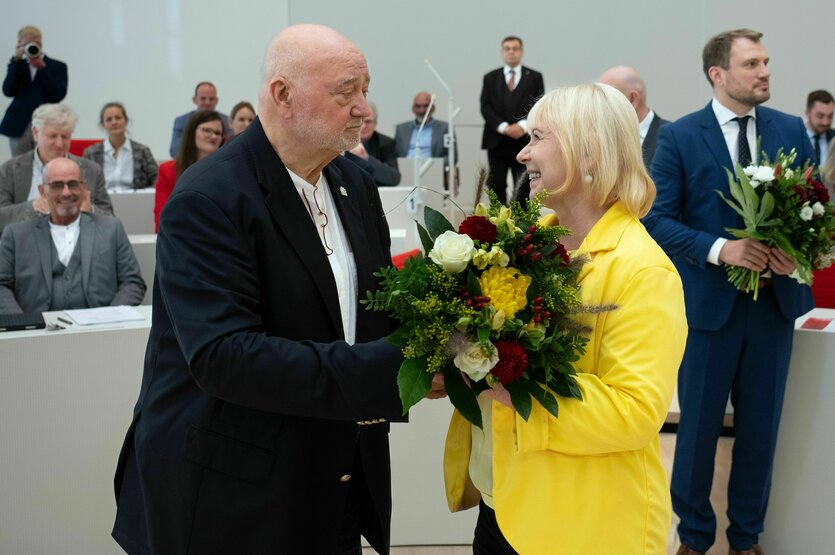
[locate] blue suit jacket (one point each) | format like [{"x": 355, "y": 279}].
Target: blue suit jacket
[
  {"x": 688, "y": 216},
  {"x": 49, "y": 85}
]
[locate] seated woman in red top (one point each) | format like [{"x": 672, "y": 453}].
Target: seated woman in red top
[{"x": 202, "y": 136}]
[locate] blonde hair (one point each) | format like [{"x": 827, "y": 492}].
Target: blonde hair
[
  {"x": 597, "y": 130},
  {"x": 29, "y": 30}
]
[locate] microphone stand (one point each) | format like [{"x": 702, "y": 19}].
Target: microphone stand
[{"x": 452, "y": 112}]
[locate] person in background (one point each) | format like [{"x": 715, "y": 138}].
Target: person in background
[
  {"x": 432, "y": 137},
  {"x": 67, "y": 259},
  {"x": 375, "y": 153},
  {"x": 827, "y": 169},
  {"x": 592, "y": 480},
  {"x": 205, "y": 98},
  {"x": 32, "y": 79},
  {"x": 126, "y": 164},
  {"x": 241, "y": 116},
  {"x": 820, "y": 107},
  {"x": 202, "y": 136},
  {"x": 507, "y": 93},
  {"x": 20, "y": 177}
]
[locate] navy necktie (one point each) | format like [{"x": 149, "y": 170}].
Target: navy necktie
[
  {"x": 743, "y": 150},
  {"x": 817, "y": 141}
]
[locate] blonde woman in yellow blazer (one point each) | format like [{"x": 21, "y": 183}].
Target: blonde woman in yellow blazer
[{"x": 592, "y": 480}]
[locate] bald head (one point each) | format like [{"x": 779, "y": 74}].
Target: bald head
[
  {"x": 64, "y": 190},
  {"x": 420, "y": 104},
  {"x": 629, "y": 82},
  {"x": 313, "y": 97}
]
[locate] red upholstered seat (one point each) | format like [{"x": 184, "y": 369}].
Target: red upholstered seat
[
  {"x": 77, "y": 146},
  {"x": 823, "y": 288},
  {"x": 398, "y": 260}
]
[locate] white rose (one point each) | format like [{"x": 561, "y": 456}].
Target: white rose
[
  {"x": 749, "y": 171},
  {"x": 763, "y": 174},
  {"x": 818, "y": 209},
  {"x": 806, "y": 213},
  {"x": 452, "y": 251},
  {"x": 473, "y": 361}
]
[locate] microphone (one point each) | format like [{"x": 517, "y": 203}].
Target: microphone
[{"x": 423, "y": 123}]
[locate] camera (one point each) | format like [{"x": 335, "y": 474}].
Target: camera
[{"x": 32, "y": 49}]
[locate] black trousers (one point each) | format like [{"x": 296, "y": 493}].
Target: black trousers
[
  {"x": 501, "y": 160},
  {"x": 488, "y": 539}
]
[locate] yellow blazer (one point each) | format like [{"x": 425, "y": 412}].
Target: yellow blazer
[{"x": 592, "y": 481}]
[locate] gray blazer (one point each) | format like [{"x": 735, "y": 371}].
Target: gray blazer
[
  {"x": 403, "y": 133},
  {"x": 109, "y": 271},
  {"x": 144, "y": 166},
  {"x": 16, "y": 181}
]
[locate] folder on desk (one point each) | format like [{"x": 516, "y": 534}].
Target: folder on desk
[{"x": 17, "y": 322}]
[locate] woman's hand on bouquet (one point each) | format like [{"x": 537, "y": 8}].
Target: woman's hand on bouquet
[
  {"x": 438, "y": 389},
  {"x": 498, "y": 393}
]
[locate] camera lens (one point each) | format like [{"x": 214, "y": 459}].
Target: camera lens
[{"x": 32, "y": 49}]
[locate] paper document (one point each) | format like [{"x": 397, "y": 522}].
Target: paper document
[{"x": 104, "y": 315}]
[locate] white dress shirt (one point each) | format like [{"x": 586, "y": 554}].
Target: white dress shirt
[
  {"x": 65, "y": 239},
  {"x": 118, "y": 171},
  {"x": 342, "y": 259},
  {"x": 643, "y": 127},
  {"x": 37, "y": 176},
  {"x": 517, "y": 72},
  {"x": 730, "y": 130}
]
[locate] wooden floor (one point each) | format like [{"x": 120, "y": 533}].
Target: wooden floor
[{"x": 718, "y": 498}]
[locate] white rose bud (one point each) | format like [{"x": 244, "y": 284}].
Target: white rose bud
[
  {"x": 806, "y": 213},
  {"x": 452, "y": 251},
  {"x": 764, "y": 174},
  {"x": 474, "y": 362},
  {"x": 818, "y": 209}
]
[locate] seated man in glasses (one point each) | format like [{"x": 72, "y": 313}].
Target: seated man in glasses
[
  {"x": 67, "y": 258},
  {"x": 52, "y": 127}
]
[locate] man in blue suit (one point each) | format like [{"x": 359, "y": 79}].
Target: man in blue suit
[
  {"x": 205, "y": 98},
  {"x": 736, "y": 346}
]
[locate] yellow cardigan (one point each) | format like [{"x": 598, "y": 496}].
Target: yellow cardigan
[{"x": 592, "y": 481}]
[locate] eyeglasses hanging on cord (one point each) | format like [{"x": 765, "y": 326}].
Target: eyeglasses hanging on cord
[{"x": 320, "y": 217}]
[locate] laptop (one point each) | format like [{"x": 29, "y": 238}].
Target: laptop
[{"x": 17, "y": 322}]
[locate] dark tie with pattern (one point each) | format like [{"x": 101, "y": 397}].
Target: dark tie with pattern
[
  {"x": 743, "y": 150},
  {"x": 511, "y": 83},
  {"x": 817, "y": 141}
]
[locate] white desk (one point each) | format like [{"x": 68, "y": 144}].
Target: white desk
[
  {"x": 800, "y": 511},
  {"x": 65, "y": 404},
  {"x": 135, "y": 209},
  {"x": 404, "y": 205}
]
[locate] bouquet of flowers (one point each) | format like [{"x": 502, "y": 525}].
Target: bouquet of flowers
[
  {"x": 786, "y": 208},
  {"x": 489, "y": 303}
]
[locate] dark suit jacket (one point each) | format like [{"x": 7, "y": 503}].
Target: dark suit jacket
[
  {"x": 180, "y": 126},
  {"x": 688, "y": 216},
  {"x": 648, "y": 146},
  {"x": 110, "y": 273},
  {"x": 16, "y": 182},
  {"x": 382, "y": 160},
  {"x": 499, "y": 104},
  {"x": 830, "y": 134},
  {"x": 145, "y": 167},
  {"x": 49, "y": 85},
  {"x": 247, "y": 414},
  {"x": 403, "y": 135}
]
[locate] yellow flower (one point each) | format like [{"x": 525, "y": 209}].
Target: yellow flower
[
  {"x": 482, "y": 258},
  {"x": 480, "y": 210},
  {"x": 499, "y": 257},
  {"x": 506, "y": 288}
]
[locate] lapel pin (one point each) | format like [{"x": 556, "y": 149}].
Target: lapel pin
[{"x": 343, "y": 191}]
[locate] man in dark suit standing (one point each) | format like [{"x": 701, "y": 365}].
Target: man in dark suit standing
[
  {"x": 32, "y": 79},
  {"x": 736, "y": 346},
  {"x": 261, "y": 420},
  {"x": 820, "y": 106},
  {"x": 629, "y": 82},
  {"x": 507, "y": 94}
]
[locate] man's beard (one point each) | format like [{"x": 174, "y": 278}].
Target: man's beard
[{"x": 345, "y": 139}]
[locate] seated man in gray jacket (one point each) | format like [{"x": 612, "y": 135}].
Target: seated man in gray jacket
[
  {"x": 20, "y": 177},
  {"x": 68, "y": 258}
]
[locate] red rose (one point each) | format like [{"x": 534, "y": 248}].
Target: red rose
[
  {"x": 478, "y": 228},
  {"x": 819, "y": 191},
  {"x": 513, "y": 361}
]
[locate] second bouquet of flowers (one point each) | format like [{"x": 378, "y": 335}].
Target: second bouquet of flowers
[{"x": 488, "y": 305}]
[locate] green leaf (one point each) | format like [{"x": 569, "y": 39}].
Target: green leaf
[
  {"x": 425, "y": 239},
  {"x": 473, "y": 285},
  {"x": 545, "y": 397},
  {"x": 766, "y": 208},
  {"x": 732, "y": 204},
  {"x": 413, "y": 382},
  {"x": 436, "y": 223},
  {"x": 401, "y": 335},
  {"x": 461, "y": 396},
  {"x": 483, "y": 334},
  {"x": 521, "y": 399}
]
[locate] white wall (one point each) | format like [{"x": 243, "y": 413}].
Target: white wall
[{"x": 151, "y": 54}]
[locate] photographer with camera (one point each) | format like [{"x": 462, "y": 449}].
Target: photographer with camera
[{"x": 32, "y": 79}]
